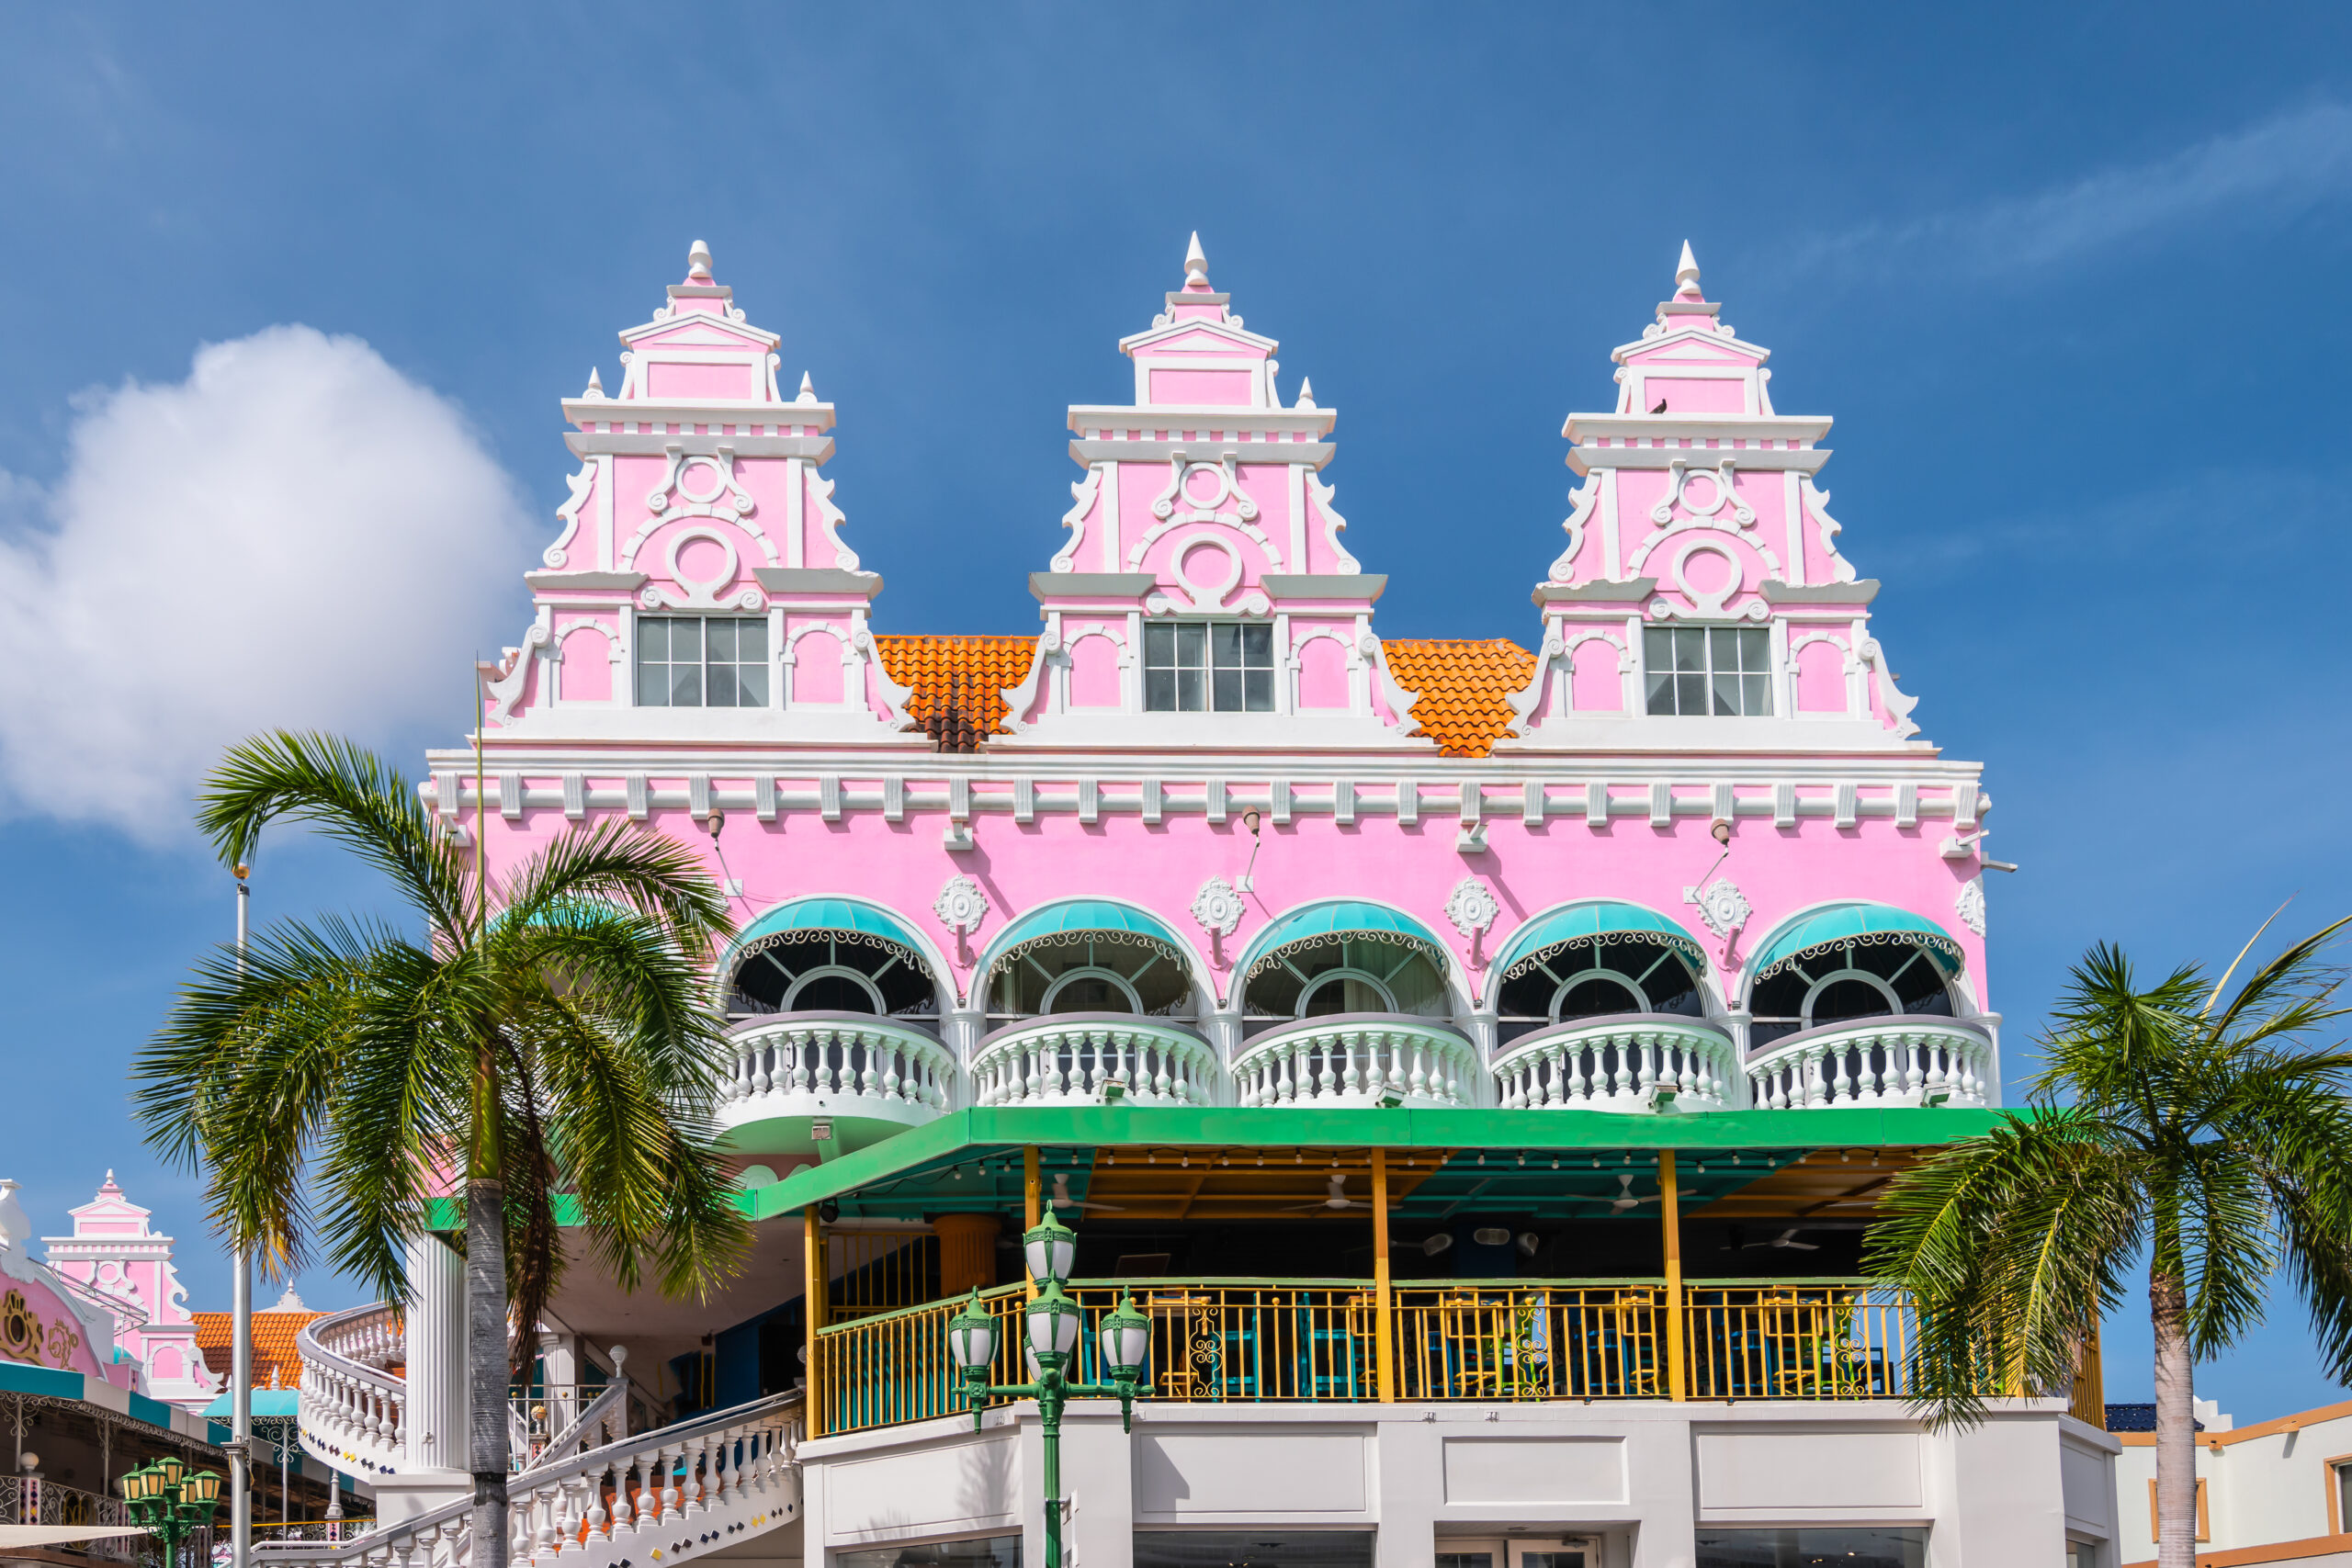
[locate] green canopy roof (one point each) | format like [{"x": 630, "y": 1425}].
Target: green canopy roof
[
  {"x": 1596, "y": 919},
  {"x": 847, "y": 915},
  {"x": 1864, "y": 924},
  {"x": 1077, "y": 920},
  {"x": 1341, "y": 918}
]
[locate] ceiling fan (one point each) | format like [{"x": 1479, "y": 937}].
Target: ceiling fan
[
  {"x": 1787, "y": 1238},
  {"x": 1062, "y": 1199},
  {"x": 1625, "y": 1199},
  {"x": 1339, "y": 1198}
]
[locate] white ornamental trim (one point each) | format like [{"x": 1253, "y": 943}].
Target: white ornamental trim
[
  {"x": 1722, "y": 906},
  {"x": 1472, "y": 907},
  {"x": 1969, "y": 904},
  {"x": 1217, "y": 906},
  {"x": 961, "y": 906}
]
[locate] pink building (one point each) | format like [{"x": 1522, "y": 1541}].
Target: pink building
[
  {"x": 117, "y": 1258},
  {"x": 1452, "y": 1042}
]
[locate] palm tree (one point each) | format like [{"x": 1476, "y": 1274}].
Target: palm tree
[
  {"x": 545, "y": 1034},
  {"x": 2203, "y": 1136}
]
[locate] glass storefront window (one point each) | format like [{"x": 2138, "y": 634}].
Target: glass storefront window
[
  {"x": 1860, "y": 1546},
  {"x": 995, "y": 1551},
  {"x": 1253, "y": 1549}
]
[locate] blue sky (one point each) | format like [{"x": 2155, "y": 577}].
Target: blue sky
[{"x": 2070, "y": 282}]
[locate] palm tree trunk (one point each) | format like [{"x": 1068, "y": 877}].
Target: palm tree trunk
[
  {"x": 486, "y": 1367},
  {"x": 2175, "y": 1424}
]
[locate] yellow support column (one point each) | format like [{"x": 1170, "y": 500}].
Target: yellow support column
[
  {"x": 813, "y": 1274},
  {"x": 1384, "y": 1311},
  {"x": 1669, "y": 1213},
  {"x": 1032, "y": 1199}
]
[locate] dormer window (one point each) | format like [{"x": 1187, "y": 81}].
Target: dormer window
[
  {"x": 1721, "y": 671},
  {"x": 1208, "y": 667},
  {"x": 697, "y": 661}
]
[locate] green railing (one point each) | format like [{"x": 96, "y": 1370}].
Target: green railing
[{"x": 1317, "y": 1341}]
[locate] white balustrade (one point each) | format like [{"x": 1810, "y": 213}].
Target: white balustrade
[
  {"x": 1068, "y": 1058},
  {"x": 732, "y": 1473},
  {"x": 352, "y": 1412},
  {"x": 1356, "y": 1059},
  {"x": 1874, "y": 1061},
  {"x": 855, "y": 1063},
  {"x": 1626, "y": 1062}
]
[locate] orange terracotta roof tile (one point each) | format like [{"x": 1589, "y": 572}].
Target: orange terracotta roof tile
[
  {"x": 1464, "y": 688},
  {"x": 957, "y": 679},
  {"x": 274, "y": 1350}
]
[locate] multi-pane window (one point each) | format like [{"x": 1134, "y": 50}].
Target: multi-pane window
[
  {"x": 1208, "y": 667},
  {"x": 1709, "y": 670},
  {"x": 695, "y": 662}
]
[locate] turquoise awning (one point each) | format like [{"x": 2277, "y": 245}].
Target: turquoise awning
[
  {"x": 1597, "y": 919},
  {"x": 1341, "y": 917},
  {"x": 848, "y": 915},
  {"x": 1080, "y": 918},
  {"x": 1865, "y": 924}
]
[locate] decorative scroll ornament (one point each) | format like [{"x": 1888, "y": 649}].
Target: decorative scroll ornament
[
  {"x": 1471, "y": 907},
  {"x": 1969, "y": 904},
  {"x": 1217, "y": 906},
  {"x": 1722, "y": 905},
  {"x": 961, "y": 906}
]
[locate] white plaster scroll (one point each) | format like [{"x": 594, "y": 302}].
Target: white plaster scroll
[
  {"x": 1720, "y": 484},
  {"x": 1217, "y": 906},
  {"x": 1721, "y": 905},
  {"x": 1580, "y": 502},
  {"x": 1400, "y": 701},
  {"x": 894, "y": 697},
  {"x": 1817, "y": 506},
  {"x": 1898, "y": 705},
  {"x": 1969, "y": 904},
  {"x": 1471, "y": 906},
  {"x": 1082, "y": 491},
  {"x": 1548, "y": 667},
  {"x": 830, "y": 518},
  {"x": 558, "y": 554},
  {"x": 1341, "y": 561},
  {"x": 506, "y": 691},
  {"x": 961, "y": 906},
  {"x": 1017, "y": 699}
]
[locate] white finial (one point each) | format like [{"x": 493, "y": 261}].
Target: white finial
[
  {"x": 1686, "y": 276},
  {"x": 807, "y": 389},
  {"x": 595, "y": 384},
  {"x": 698, "y": 262},
  {"x": 1196, "y": 262},
  {"x": 1305, "y": 393},
  {"x": 290, "y": 1302}
]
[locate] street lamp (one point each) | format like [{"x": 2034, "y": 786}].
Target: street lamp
[
  {"x": 1051, "y": 1325},
  {"x": 165, "y": 1498}
]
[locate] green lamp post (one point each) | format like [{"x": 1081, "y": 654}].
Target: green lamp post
[
  {"x": 169, "y": 1500},
  {"x": 1053, "y": 1322}
]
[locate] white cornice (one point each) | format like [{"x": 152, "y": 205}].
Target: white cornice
[
  {"x": 1702, "y": 335},
  {"x": 589, "y": 444},
  {"x": 755, "y": 338},
  {"x": 1226, "y": 330},
  {"x": 1200, "y": 416},
  {"x": 1313, "y": 454},
  {"x": 1584, "y": 459},
  {"x": 1581, "y": 427},
  {"x": 704, "y": 411}
]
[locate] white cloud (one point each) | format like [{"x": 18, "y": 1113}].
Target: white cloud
[
  {"x": 297, "y": 535},
  {"x": 2277, "y": 167}
]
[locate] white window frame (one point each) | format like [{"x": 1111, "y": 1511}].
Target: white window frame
[{"x": 1770, "y": 673}]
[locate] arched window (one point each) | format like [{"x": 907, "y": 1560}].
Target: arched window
[
  {"x": 1339, "y": 973},
  {"x": 809, "y": 970},
  {"x": 1848, "y": 980},
  {"x": 1616, "y": 972},
  {"x": 1087, "y": 955}
]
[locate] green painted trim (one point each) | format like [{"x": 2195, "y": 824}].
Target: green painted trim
[
  {"x": 963, "y": 1134},
  {"x": 448, "y": 1215}
]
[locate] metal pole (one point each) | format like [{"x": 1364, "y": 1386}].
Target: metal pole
[
  {"x": 1669, "y": 1212},
  {"x": 1049, "y": 1418},
  {"x": 241, "y": 1350},
  {"x": 1384, "y": 1303}
]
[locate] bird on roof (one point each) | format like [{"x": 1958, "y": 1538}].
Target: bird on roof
[{"x": 1661, "y": 407}]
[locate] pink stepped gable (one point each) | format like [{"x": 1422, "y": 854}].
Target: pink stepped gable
[
  {"x": 1688, "y": 854},
  {"x": 117, "y": 1258}
]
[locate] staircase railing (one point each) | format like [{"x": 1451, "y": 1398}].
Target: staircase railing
[
  {"x": 349, "y": 1403},
  {"x": 731, "y": 1468}
]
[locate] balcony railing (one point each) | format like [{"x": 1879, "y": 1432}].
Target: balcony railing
[
  {"x": 1899, "y": 1060},
  {"x": 33, "y": 1500},
  {"x": 1318, "y": 1341},
  {"x": 1356, "y": 1058},
  {"x": 1627, "y": 1062},
  {"x": 835, "y": 1065},
  {"x": 353, "y": 1413},
  {"x": 1069, "y": 1058}
]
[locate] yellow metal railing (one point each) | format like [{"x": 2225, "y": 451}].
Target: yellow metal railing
[
  {"x": 1318, "y": 1341},
  {"x": 1796, "y": 1339},
  {"x": 878, "y": 1271}
]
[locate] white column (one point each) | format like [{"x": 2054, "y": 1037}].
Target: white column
[{"x": 436, "y": 1349}]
